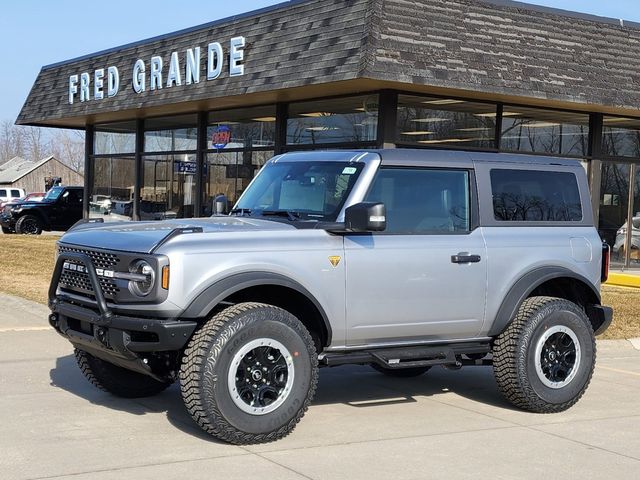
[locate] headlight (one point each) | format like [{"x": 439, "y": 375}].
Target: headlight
[{"x": 142, "y": 288}]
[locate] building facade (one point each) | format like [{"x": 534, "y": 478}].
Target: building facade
[{"x": 173, "y": 121}]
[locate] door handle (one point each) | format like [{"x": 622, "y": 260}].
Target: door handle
[{"x": 464, "y": 257}]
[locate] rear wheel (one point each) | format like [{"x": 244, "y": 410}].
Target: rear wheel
[
  {"x": 544, "y": 360},
  {"x": 117, "y": 380},
  {"x": 249, "y": 374},
  {"x": 29, "y": 225}
]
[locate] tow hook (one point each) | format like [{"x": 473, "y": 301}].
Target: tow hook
[
  {"x": 53, "y": 320},
  {"x": 101, "y": 335}
]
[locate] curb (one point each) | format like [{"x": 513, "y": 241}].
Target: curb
[{"x": 623, "y": 280}]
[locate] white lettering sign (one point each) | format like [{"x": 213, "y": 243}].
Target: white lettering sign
[{"x": 176, "y": 69}]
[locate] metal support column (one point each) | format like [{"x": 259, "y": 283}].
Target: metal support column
[
  {"x": 629, "y": 233},
  {"x": 89, "y": 137},
  {"x": 139, "y": 169},
  {"x": 595, "y": 164},
  {"x": 201, "y": 154},
  {"x": 282, "y": 114},
  {"x": 387, "y": 118}
]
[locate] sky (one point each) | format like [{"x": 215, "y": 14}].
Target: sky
[{"x": 34, "y": 33}]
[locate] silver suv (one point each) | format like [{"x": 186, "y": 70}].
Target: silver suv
[{"x": 397, "y": 259}]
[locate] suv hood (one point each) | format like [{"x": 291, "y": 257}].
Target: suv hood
[{"x": 142, "y": 237}]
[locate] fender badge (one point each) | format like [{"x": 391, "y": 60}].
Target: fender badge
[{"x": 335, "y": 260}]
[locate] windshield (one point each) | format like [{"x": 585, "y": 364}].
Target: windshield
[
  {"x": 54, "y": 193},
  {"x": 301, "y": 190}
]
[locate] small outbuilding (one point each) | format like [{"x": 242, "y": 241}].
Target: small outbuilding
[{"x": 34, "y": 176}]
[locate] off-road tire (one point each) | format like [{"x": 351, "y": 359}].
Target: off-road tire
[
  {"x": 29, "y": 225},
  {"x": 401, "y": 372},
  {"x": 208, "y": 360},
  {"x": 514, "y": 355},
  {"x": 7, "y": 231},
  {"x": 117, "y": 380}
]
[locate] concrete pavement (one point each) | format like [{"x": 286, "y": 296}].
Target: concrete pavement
[{"x": 362, "y": 425}]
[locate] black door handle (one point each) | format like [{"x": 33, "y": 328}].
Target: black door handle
[{"x": 464, "y": 257}]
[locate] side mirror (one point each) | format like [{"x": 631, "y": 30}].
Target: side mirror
[{"x": 365, "y": 217}]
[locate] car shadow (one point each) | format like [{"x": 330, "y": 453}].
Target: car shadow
[{"x": 353, "y": 385}]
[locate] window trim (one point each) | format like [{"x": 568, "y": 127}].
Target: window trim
[{"x": 474, "y": 214}]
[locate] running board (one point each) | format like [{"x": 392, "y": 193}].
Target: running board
[{"x": 408, "y": 357}]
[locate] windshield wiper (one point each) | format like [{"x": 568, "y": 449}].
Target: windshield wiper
[
  {"x": 243, "y": 212},
  {"x": 290, "y": 214}
]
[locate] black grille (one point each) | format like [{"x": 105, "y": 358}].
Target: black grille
[
  {"x": 79, "y": 281},
  {"x": 99, "y": 259}
]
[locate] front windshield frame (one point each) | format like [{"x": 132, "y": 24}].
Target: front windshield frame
[
  {"x": 274, "y": 174},
  {"x": 54, "y": 193}
]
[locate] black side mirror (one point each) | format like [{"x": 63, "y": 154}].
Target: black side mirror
[{"x": 366, "y": 217}]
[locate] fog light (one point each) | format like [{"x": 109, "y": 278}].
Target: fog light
[{"x": 142, "y": 288}]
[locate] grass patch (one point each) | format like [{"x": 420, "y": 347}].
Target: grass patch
[{"x": 27, "y": 263}]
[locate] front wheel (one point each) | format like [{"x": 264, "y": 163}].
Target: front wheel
[
  {"x": 249, "y": 374},
  {"x": 29, "y": 225},
  {"x": 117, "y": 380},
  {"x": 544, "y": 360}
]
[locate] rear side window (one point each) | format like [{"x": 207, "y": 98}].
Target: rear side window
[
  {"x": 535, "y": 196},
  {"x": 15, "y": 193}
]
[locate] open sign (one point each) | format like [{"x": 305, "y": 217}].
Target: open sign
[{"x": 221, "y": 136}]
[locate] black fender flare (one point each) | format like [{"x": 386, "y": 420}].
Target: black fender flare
[
  {"x": 221, "y": 289},
  {"x": 523, "y": 287}
]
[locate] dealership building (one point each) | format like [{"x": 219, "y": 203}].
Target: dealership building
[{"x": 173, "y": 121}]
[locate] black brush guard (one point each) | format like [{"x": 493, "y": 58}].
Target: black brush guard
[{"x": 121, "y": 340}]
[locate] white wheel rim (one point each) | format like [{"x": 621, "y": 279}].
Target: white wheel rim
[
  {"x": 251, "y": 389},
  {"x": 546, "y": 356}
]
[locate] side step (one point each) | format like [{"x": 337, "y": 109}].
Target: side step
[{"x": 408, "y": 357}]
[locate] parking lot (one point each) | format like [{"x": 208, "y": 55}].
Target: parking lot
[{"x": 451, "y": 424}]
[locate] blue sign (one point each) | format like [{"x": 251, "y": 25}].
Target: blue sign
[
  {"x": 187, "y": 168},
  {"x": 221, "y": 136}
]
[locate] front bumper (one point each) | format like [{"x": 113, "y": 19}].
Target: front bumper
[
  {"x": 7, "y": 221},
  {"x": 122, "y": 340}
]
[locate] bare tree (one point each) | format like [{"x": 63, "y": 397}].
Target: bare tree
[
  {"x": 11, "y": 141},
  {"x": 68, "y": 147}
]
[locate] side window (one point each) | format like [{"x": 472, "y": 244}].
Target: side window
[
  {"x": 535, "y": 196},
  {"x": 3, "y": 192},
  {"x": 423, "y": 201},
  {"x": 15, "y": 193}
]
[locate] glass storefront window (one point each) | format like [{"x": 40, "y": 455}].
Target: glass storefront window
[
  {"x": 227, "y": 174},
  {"x": 171, "y": 134},
  {"x": 111, "y": 195},
  {"x": 168, "y": 187},
  {"x": 254, "y": 127},
  {"x": 115, "y": 138},
  {"x": 614, "y": 204},
  {"x": 337, "y": 120},
  {"x": 427, "y": 121},
  {"x": 621, "y": 137},
  {"x": 544, "y": 131}
]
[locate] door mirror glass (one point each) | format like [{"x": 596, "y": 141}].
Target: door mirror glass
[{"x": 366, "y": 217}]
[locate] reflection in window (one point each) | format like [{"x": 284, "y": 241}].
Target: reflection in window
[
  {"x": 621, "y": 137},
  {"x": 535, "y": 196},
  {"x": 423, "y": 201},
  {"x": 339, "y": 120},
  {"x": 253, "y": 127},
  {"x": 544, "y": 131},
  {"x": 228, "y": 174},
  {"x": 111, "y": 195},
  {"x": 171, "y": 134},
  {"x": 115, "y": 138},
  {"x": 168, "y": 189},
  {"x": 614, "y": 203},
  {"x": 445, "y": 122}
]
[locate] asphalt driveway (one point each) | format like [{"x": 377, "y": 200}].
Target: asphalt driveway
[{"x": 362, "y": 425}]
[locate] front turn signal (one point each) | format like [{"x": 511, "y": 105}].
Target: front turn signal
[{"x": 165, "y": 277}]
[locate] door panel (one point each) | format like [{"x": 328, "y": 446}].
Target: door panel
[{"x": 403, "y": 284}]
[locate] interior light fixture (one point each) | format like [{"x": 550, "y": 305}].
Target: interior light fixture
[
  {"x": 423, "y": 132},
  {"x": 451, "y": 140},
  {"x": 472, "y": 129},
  {"x": 494, "y": 114},
  {"x": 443, "y": 102},
  {"x": 264, "y": 119},
  {"x": 430, "y": 119},
  {"x": 316, "y": 114}
]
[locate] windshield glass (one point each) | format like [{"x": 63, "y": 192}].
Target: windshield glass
[
  {"x": 54, "y": 193},
  {"x": 304, "y": 190}
]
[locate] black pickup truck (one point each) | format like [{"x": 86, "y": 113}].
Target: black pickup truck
[{"x": 58, "y": 210}]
